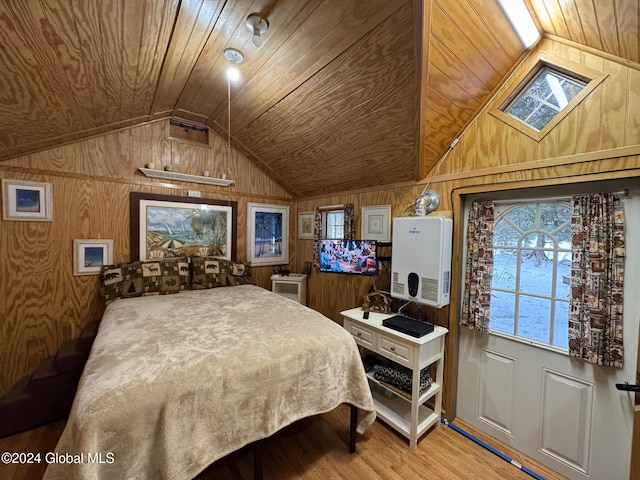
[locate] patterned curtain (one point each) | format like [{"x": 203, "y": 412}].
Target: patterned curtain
[
  {"x": 597, "y": 271},
  {"x": 349, "y": 231},
  {"x": 349, "y": 222},
  {"x": 317, "y": 233},
  {"x": 477, "y": 281}
]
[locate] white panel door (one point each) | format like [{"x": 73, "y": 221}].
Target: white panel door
[{"x": 562, "y": 412}]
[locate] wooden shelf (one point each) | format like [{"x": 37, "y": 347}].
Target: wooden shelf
[
  {"x": 184, "y": 177},
  {"x": 425, "y": 395}
]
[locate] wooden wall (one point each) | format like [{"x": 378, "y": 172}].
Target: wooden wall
[
  {"x": 41, "y": 302},
  {"x": 599, "y": 139}
]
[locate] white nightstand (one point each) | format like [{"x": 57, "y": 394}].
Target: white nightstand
[
  {"x": 293, "y": 286},
  {"x": 406, "y": 413}
]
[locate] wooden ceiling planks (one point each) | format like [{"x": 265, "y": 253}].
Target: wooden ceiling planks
[
  {"x": 205, "y": 92},
  {"x": 328, "y": 32},
  {"x": 330, "y": 101},
  {"x": 77, "y": 67},
  {"x": 472, "y": 47},
  {"x": 37, "y": 79},
  {"x": 612, "y": 26},
  {"x": 194, "y": 23},
  {"x": 363, "y": 102}
]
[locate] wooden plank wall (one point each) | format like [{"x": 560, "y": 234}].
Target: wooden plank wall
[
  {"x": 599, "y": 139},
  {"x": 41, "y": 302}
]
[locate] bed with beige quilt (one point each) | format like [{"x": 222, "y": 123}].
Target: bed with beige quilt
[{"x": 176, "y": 382}]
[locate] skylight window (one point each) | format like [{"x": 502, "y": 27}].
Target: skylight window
[{"x": 544, "y": 97}]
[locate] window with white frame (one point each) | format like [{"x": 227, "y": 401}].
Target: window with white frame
[
  {"x": 333, "y": 224},
  {"x": 531, "y": 271}
]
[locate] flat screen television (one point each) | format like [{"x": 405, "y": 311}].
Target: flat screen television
[{"x": 348, "y": 256}]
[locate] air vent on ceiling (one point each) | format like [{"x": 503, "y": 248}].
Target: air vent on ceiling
[{"x": 182, "y": 131}]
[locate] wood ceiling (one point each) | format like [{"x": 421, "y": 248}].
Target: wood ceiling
[{"x": 343, "y": 94}]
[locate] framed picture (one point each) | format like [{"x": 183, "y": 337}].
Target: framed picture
[
  {"x": 305, "y": 224},
  {"x": 170, "y": 226},
  {"x": 376, "y": 223},
  {"x": 27, "y": 201},
  {"x": 268, "y": 234},
  {"x": 90, "y": 255}
]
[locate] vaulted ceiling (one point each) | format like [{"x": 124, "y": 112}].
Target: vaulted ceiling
[{"x": 342, "y": 94}]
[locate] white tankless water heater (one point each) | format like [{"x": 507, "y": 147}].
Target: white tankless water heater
[{"x": 421, "y": 260}]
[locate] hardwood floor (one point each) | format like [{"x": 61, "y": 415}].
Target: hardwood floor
[{"x": 316, "y": 448}]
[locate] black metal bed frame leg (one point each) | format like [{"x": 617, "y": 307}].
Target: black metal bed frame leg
[
  {"x": 352, "y": 429},
  {"x": 258, "y": 454}
]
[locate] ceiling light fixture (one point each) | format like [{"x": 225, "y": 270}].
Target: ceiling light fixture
[
  {"x": 521, "y": 20},
  {"x": 234, "y": 57},
  {"x": 258, "y": 26}
]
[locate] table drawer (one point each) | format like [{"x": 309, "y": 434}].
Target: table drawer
[
  {"x": 363, "y": 336},
  {"x": 398, "y": 351}
]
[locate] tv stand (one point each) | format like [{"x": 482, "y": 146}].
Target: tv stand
[{"x": 405, "y": 412}]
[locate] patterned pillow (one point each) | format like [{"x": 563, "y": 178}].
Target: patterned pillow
[
  {"x": 212, "y": 272},
  {"x": 155, "y": 277}
]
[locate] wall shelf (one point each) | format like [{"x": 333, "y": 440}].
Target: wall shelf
[{"x": 184, "y": 177}]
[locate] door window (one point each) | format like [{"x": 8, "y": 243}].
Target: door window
[{"x": 531, "y": 272}]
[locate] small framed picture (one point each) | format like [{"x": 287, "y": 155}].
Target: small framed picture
[
  {"x": 90, "y": 255},
  {"x": 305, "y": 224},
  {"x": 268, "y": 232},
  {"x": 27, "y": 201},
  {"x": 376, "y": 223}
]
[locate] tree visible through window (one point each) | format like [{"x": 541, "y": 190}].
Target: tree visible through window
[
  {"x": 531, "y": 271},
  {"x": 546, "y": 95}
]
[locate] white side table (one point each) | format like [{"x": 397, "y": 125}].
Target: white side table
[
  {"x": 293, "y": 286},
  {"x": 405, "y": 412}
]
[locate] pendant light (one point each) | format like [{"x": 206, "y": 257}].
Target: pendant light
[{"x": 234, "y": 57}]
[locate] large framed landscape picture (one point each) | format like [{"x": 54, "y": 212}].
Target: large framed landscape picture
[
  {"x": 165, "y": 226},
  {"x": 268, "y": 232},
  {"x": 27, "y": 201}
]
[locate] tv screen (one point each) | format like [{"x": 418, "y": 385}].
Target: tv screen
[{"x": 348, "y": 256}]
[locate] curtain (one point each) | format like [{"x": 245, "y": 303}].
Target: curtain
[
  {"x": 349, "y": 231},
  {"x": 479, "y": 268},
  {"x": 597, "y": 271},
  {"x": 317, "y": 234}
]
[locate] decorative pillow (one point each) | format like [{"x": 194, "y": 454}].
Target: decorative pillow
[
  {"x": 212, "y": 272},
  {"x": 155, "y": 277}
]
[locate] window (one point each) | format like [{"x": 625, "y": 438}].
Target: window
[
  {"x": 531, "y": 271},
  {"x": 540, "y": 98},
  {"x": 547, "y": 94},
  {"x": 333, "y": 224}
]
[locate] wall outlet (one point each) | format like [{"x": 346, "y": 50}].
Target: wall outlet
[{"x": 195, "y": 193}]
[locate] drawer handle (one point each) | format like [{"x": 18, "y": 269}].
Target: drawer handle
[
  {"x": 359, "y": 334},
  {"x": 393, "y": 349}
]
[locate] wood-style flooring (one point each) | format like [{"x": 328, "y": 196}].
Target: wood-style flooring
[{"x": 316, "y": 448}]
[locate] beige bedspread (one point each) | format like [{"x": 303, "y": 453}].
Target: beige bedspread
[{"x": 176, "y": 382}]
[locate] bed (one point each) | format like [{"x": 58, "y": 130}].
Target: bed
[{"x": 175, "y": 382}]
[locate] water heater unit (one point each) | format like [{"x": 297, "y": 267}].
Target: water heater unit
[{"x": 421, "y": 260}]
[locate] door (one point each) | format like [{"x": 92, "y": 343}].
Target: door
[{"x": 524, "y": 389}]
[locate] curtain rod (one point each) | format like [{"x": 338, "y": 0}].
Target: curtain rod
[
  {"x": 331, "y": 207},
  {"x": 511, "y": 200}
]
